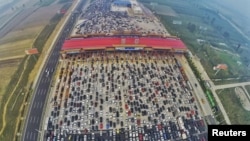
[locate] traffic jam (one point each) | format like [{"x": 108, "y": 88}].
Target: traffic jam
[{"x": 123, "y": 96}]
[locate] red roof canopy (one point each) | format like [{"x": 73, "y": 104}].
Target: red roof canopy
[
  {"x": 31, "y": 51},
  {"x": 103, "y": 42}
]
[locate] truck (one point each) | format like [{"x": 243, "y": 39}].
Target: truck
[{"x": 189, "y": 85}]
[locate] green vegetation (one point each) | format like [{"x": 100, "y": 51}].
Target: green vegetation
[
  {"x": 23, "y": 89},
  {"x": 220, "y": 40},
  {"x": 220, "y": 118},
  {"x": 48, "y": 29},
  {"x": 236, "y": 113},
  {"x": 206, "y": 90},
  {"x": 20, "y": 92},
  {"x": 46, "y": 2},
  {"x": 223, "y": 81},
  {"x": 209, "y": 95},
  {"x": 62, "y": 1},
  {"x": 248, "y": 88}
]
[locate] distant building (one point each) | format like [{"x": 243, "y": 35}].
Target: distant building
[
  {"x": 202, "y": 28},
  {"x": 121, "y": 5},
  {"x": 177, "y": 22},
  {"x": 200, "y": 41},
  {"x": 223, "y": 44},
  {"x": 137, "y": 10},
  {"x": 220, "y": 67}
]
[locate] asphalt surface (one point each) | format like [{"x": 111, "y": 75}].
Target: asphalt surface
[
  {"x": 198, "y": 90},
  {"x": 205, "y": 77},
  {"x": 34, "y": 117}
]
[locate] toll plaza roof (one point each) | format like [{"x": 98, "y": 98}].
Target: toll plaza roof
[{"x": 103, "y": 42}]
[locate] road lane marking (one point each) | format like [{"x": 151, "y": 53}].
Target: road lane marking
[
  {"x": 43, "y": 91},
  {"x": 39, "y": 91},
  {"x": 43, "y": 80},
  {"x": 34, "y": 119},
  {"x": 34, "y": 137},
  {"x": 37, "y": 119},
  {"x": 27, "y": 135},
  {"x": 31, "y": 134},
  {"x": 41, "y": 104},
  {"x": 47, "y": 80},
  {"x": 31, "y": 119},
  {"x": 34, "y": 105}
]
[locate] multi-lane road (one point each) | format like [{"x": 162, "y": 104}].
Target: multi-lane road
[
  {"x": 35, "y": 114},
  {"x": 205, "y": 107}
]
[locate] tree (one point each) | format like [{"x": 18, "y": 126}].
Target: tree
[
  {"x": 191, "y": 27},
  {"x": 212, "y": 21},
  {"x": 226, "y": 34},
  {"x": 238, "y": 47}
]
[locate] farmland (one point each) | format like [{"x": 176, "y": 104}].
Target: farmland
[
  {"x": 233, "y": 107},
  {"x": 220, "y": 39}
]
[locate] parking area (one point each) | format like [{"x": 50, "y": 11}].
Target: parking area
[
  {"x": 98, "y": 19},
  {"x": 123, "y": 96}
]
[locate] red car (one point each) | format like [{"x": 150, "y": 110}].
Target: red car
[{"x": 140, "y": 137}]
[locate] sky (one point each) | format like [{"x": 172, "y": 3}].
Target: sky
[
  {"x": 2, "y": 2},
  {"x": 242, "y": 6}
]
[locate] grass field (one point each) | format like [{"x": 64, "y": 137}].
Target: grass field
[
  {"x": 14, "y": 44},
  {"x": 7, "y": 68},
  {"x": 17, "y": 89},
  {"x": 199, "y": 22},
  {"x": 236, "y": 113},
  {"x": 163, "y": 10},
  {"x": 248, "y": 88}
]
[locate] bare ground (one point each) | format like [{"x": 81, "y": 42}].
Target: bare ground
[
  {"x": 7, "y": 68},
  {"x": 20, "y": 35}
]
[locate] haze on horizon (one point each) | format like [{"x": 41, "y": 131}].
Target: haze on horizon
[
  {"x": 239, "y": 6},
  {"x": 3, "y": 2}
]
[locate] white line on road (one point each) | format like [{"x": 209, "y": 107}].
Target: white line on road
[
  {"x": 34, "y": 137},
  {"x": 40, "y": 105},
  {"x": 37, "y": 119},
  {"x": 39, "y": 91},
  {"x": 47, "y": 80},
  {"x": 34, "y": 119},
  {"x": 43, "y": 79},
  {"x": 43, "y": 91},
  {"x": 54, "y": 61},
  {"x": 31, "y": 118},
  {"x": 27, "y": 135},
  {"x": 35, "y": 104},
  {"x": 31, "y": 134}
]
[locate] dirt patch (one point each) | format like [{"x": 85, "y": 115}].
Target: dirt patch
[
  {"x": 15, "y": 48},
  {"x": 7, "y": 69},
  {"x": 40, "y": 17},
  {"x": 22, "y": 35},
  {"x": 243, "y": 98},
  {"x": 165, "y": 10}
]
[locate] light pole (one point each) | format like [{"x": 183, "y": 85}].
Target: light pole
[{"x": 39, "y": 134}]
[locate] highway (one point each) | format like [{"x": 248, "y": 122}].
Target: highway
[
  {"x": 205, "y": 77},
  {"x": 34, "y": 118},
  {"x": 205, "y": 107}
]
